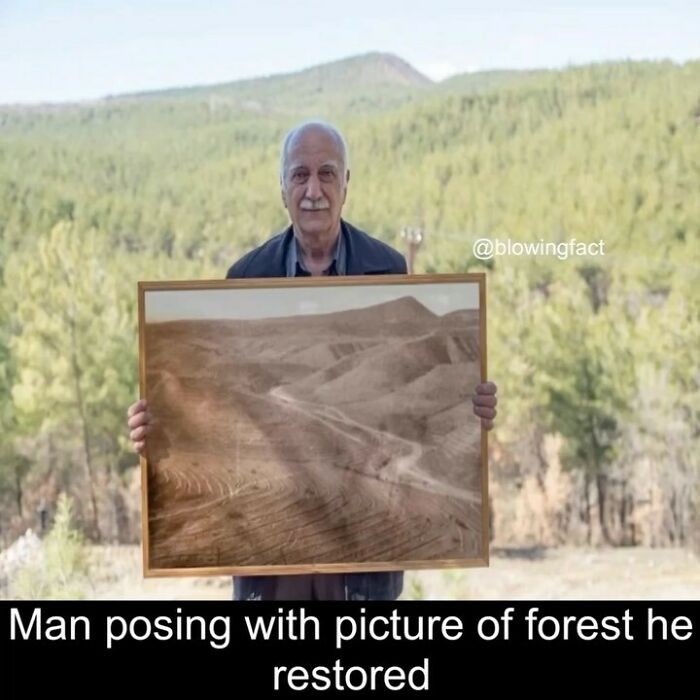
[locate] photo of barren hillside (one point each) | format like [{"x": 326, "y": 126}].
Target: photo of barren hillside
[{"x": 329, "y": 438}]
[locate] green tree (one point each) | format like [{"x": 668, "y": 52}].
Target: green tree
[
  {"x": 588, "y": 377},
  {"x": 74, "y": 346}
]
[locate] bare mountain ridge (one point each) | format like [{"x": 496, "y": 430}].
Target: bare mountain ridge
[
  {"x": 373, "y": 68},
  {"x": 353, "y": 74},
  {"x": 345, "y": 357},
  {"x": 406, "y": 309},
  {"x": 379, "y": 371}
]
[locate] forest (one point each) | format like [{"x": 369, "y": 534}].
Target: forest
[{"x": 596, "y": 358}]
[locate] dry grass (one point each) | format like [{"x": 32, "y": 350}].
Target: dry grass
[{"x": 541, "y": 574}]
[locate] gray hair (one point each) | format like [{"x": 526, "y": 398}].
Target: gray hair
[{"x": 320, "y": 124}]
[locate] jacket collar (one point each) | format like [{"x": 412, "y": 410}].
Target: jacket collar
[{"x": 361, "y": 259}]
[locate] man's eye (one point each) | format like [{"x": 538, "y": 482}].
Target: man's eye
[
  {"x": 326, "y": 174},
  {"x": 299, "y": 176}
]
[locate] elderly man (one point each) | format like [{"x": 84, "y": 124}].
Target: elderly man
[{"x": 314, "y": 176}]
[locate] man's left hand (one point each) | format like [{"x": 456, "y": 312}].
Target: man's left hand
[{"x": 485, "y": 401}]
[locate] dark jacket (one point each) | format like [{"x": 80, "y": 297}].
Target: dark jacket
[{"x": 365, "y": 256}]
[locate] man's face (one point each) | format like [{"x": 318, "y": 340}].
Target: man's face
[{"x": 314, "y": 184}]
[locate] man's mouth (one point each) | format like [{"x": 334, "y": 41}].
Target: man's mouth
[{"x": 314, "y": 206}]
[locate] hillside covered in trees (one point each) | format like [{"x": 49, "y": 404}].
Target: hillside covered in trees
[{"x": 598, "y": 433}]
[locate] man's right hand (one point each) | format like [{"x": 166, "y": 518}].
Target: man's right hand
[{"x": 139, "y": 420}]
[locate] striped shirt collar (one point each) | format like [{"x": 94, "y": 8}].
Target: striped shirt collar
[{"x": 338, "y": 266}]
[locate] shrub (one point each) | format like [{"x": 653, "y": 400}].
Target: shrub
[{"x": 60, "y": 569}]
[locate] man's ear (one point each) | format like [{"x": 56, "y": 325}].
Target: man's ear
[
  {"x": 283, "y": 195},
  {"x": 347, "y": 179}
]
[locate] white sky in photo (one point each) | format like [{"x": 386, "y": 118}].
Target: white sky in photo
[{"x": 208, "y": 304}]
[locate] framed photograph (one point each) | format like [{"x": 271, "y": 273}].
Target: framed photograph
[{"x": 313, "y": 424}]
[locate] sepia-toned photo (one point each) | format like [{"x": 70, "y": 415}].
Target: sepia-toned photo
[{"x": 313, "y": 425}]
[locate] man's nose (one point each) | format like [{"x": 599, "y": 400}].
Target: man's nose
[{"x": 313, "y": 188}]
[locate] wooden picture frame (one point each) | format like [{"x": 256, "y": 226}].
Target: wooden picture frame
[{"x": 313, "y": 424}]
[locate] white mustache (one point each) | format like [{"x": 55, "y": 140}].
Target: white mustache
[{"x": 311, "y": 205}]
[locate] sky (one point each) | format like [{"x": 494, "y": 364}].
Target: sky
[
  {"x": 65, "y": 50},
  {"x": 236, "y": 303}
]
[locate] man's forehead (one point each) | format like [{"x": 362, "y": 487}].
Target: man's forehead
[
  {"x": 315, "y": 144},
  {"x": 308, "y": 161}
]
